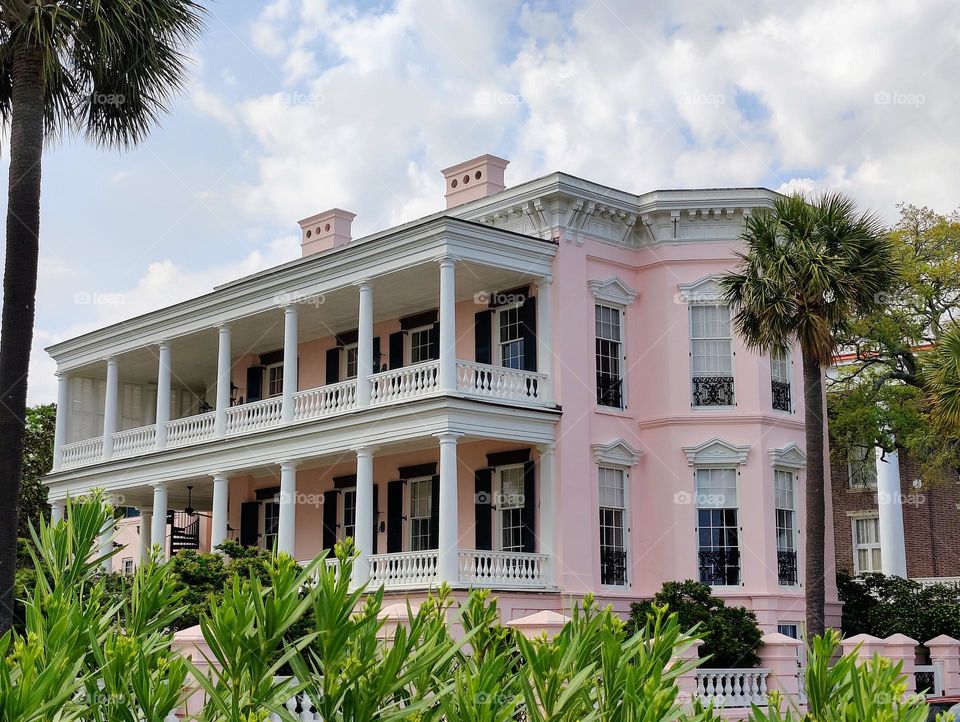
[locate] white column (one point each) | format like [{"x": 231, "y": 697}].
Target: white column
[
  {"x": 110, "y": 407},
  {"x": 448, "y": 326},
  {"x": 223, "y": 381},
  {"x": 57, "y": 508},
  {"x": 448, "y": 536},
  {"x": 290, "y": 361},
  {"x": 287, "y": 523},
  {"x": 63, "y": 413},
  {"x": 163, "y": 393},
  {"x": 106, "y": 544},
  {"x": 146, "y": 532},
  {"x": 221, "y": 509},
  {"x": 893, "y": 554},
  {"x": 363, "y": 534},
  {"x": 364, "y": 344},
  {"x": 158, "y": 527},
  {"x": 547, "y": 516},
  {"x": 545, "y": 335}
]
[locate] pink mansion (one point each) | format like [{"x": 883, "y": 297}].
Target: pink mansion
[{"x": 536, "y": 390}]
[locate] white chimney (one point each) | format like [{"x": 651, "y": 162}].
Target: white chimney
[
  {"x": 330, "y": 229},
  {"x": 476, "y": 178}
]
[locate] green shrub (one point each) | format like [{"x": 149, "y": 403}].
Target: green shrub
[{"x": 732, "y": 637}]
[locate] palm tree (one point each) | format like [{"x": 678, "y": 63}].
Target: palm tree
[
  {"x": 942, "y": 377},
  {"x": 105, "y": 69},
  {"x": 809, "y": 269}
]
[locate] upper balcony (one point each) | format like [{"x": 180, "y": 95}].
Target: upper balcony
[{"x": 442, "y": 308}]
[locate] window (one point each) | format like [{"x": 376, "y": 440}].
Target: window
[
  {"x": 717, "y": 526},
  {"x": 866, "y": 545},
  {"x": 609, "y": 351},
  {"x": 510, "y": 343},
  {"x": 786, "y": 525},
  {"x": 127, "y": 565},
  {"x": 420, "y": 346},
  {"x": 350, "y": 361},
  {"x": 780, "y": 379},
  {"x": 613, "y": 531},
  {"x": 510, "y": 507},
  {"x": 349, "y": 522},
  {"x": 421, "y": 509},
  {"x": 711, "y": 354},
  {"x": 862, "y": 467},
  {"x": 274, "y": 380},
  {"x": 789, "y": 629},
  {"x": 271, "y": 524}
]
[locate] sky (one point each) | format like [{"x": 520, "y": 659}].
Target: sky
[{"x": 297, "y": 106}]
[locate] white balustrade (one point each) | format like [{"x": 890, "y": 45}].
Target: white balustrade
[
  {"x": 190, "y": 429},
  {"x": 299, "y": 706},
  {"x": 497, "y": 382},
  {"x": 403, "y": 569},
  {"x": 254, "y": 416},
  {"x": 330, "y": 562},
  {"x": 406, "y": 382},
  {"x": 79, "y": 453},
  {"x": 134, "y": 441},
  {"x": 324, "y": 400},
  {"x": 732, "y": 687},
  {"x": 503, "y": 569}
]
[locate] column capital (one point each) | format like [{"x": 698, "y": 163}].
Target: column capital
[
  {"x": 447, "y": 262},
  {"x": 363, "y": 284},
  {"x": 545, "y": 449},
  {"x": 448, "y": 436},
  {"x": 217, "y": 475},
  {"x": 110, "y": 360},
  {"x": 544, "y": 281},
  {"x": 160, "y": 485},
  {"x": 287, "y": 463},
  {"x": 163, "y": 343},
  {"x": 290, "y": 307},
  {"x": 223, "y": 327},
  {"x": 364, "y": 450}
]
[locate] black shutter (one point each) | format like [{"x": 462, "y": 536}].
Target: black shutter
[
  {"x": 254, "y": 383},
  {"x": 330, "y": 518},
  {"x": 333, "y": 365},
  {"x": 435, "y": 341},
  {"x": 376, "y": 515},
  {"x": 435, "y": 513},
  {"x": 394, "y": 516},
  {"x": 529, "y": 512},
  {"x": 250, "y": 523},
  {"x": 483, "y": 506},
  {"x": 376, "y": 355},
  {"x": 483, "y": 336},
  {"x": 395, "y": 345},
  {"x": 528, "y": 327}
]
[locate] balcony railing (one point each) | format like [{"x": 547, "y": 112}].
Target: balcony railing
[
  {"x": 787, "y": 567},
  {"x": 713, "y": 391},
  {"x": 781, "y": 395},
  {"x": 403, "y": 569},
  {"x": 402, "y": 384},
  {"x": 720, "y": 567},
  {"x": 613, "y": 566},
  {"x": 499, "y": 569},
  {"x": 732, "y": 687}
]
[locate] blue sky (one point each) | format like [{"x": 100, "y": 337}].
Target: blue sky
[{"x": 297, "y": 106}]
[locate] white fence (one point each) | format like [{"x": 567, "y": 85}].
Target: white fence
[
  {"x": 503, "y": 569},
  {"x": 83, "y": 452},
  {"x": 497, "y": 382},
  {"x": 407, "y": 382},
  {"x": 732, "y": 687},
  {"x": 135, "y": 441},
  {"x": 191, "y": 429},
  {"x": 255, "y": 415},
  {"x": 324, "y": 400},
  {"x": 403, "y": 569}
]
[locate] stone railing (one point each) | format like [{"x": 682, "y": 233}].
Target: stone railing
[
  {"x": 190, "y": 429},
  {"x": 324, "y": 400},
  {"x": 407, "y": 382},
  {"x": 403, "y": 569},
  {"x": 732, "y": 687},
  {"x": 503, "y": 569},
  {"x": 497, "y": 382},
  {"x": 134, "y": 441},
  {"x": 83, "y": 452},
  {"x": 255, "y": 415}
]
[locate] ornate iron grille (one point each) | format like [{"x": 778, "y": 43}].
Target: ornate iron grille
[
  {"x": 613, "y": 566},
  {"x": 609, "y": 390},
  {"x": 787, "y": 566},
  {"x": 713, "y": 390},
  {"x": 781, "y": 395},
  {"x": 720, "y": 566}
]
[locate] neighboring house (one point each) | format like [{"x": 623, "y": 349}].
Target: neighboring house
[
  {"x": 536, "y": 390},
  {"x": 905, "y": 527}
]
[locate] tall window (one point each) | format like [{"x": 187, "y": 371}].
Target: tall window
[
  {"x": 780, "y": 379},
  {"x": 866, "y": 545},
  {"x": 711, "y": 354},
  {"x": 350, "y": 361},
  {"x": 613, "y": 531},
  {"x": 420, "y": 346},
  {"x": 274, "y": 380},
  {"x": 786, "y": 521},
  {"x": 271, "y": 524},
  {"x": 510, "y": 508},
  {"x": 511, "y": 337},
  {"x": 350, "y": 513},
  {"x": 127, "y": 564},
  {"x": 862, "y": 467},
  {"x": 718, "y": 532},
  {"x": 421, "y": 507},
  {"x": 609, "y": 337}
]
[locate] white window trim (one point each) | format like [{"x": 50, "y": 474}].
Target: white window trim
[
  {"x": 612, "y": 292},
  {"x": 733, "y": 355},
  {"x": 498, "y": 353},
  {"x": 409, "y": 507},
  {"x": 854, "y": 518},
  {"x": 343, "y": 362},
  {"x": 627, "y": 525},
  {"x": 623, "y": 354},
  {"x": 262, "y": 541},
  {"x": 616, "y": 453},
  {"x": 498, "y": 496},
  {"x": 408, "y": 343},
  {"x": 716, "y": 452},
  {"x": 341, "y": 511},
  {"x": 266, "y": 379},
  {"x": 696, "y": 528},
  {"x": 795, "y": 481}
]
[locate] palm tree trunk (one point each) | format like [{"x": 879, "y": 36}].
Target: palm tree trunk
[
  {"x": 19, "y": 296},
  {"x": 816, "y": 524}
]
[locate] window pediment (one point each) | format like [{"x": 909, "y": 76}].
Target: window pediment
[
  {"x": 704, "y": 290},
  {"x": 788, "y": 457},
  {"x": 613, "y": 290},
  {"x": 616, "y": 453},
  {"x": 716, "y": 451}
]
